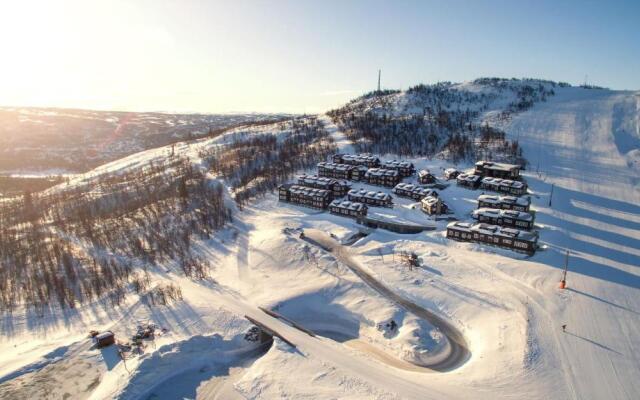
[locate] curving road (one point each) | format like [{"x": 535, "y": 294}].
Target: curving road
[{"x": 459, "y": 350}]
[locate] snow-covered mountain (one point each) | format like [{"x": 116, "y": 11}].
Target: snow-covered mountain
[{"x": 116, "y": 242}]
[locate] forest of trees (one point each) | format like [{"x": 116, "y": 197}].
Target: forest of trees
[
  {"x": 99, "y": 239},
  {"x": 439, "y": 120},
  {"x": 257, "y": 164}
]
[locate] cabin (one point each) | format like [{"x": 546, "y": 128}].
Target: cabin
[
  {"x": 497, "y": 170},
  {"x": 335, "y": 171},
  {"x": 379, "y": 199},
  {"x": 504, "y": 202},
  {"x": 304, "y": 196},
  {"x": 347, "y": 208},
  {"x": 337, "y": 187},
  {"x": 382, "y": 177},
  {"x": 104, "y": 339},
  {"x": 468, "y": 180},
  {"x": 404, "y": 168},
  {"x": 365, "y": 160},
  {"x": 451, "y": 173},
  {"x": 433, "y": 206},
  {"x": 508, "y": 218},
  {"x": 412, "y": 191},
  {"x": 509, "y": 238},
  {"x": 506, "y": 186},
  {"x": 425, "y": 177}
]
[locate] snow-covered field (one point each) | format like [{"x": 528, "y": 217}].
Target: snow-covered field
[{"x": 507, "y": 306}]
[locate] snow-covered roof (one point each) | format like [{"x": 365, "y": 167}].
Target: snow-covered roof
[
  {"x": 487, "y": 198},
  {"x": 370, "y": 194},
  {"x": 308, "y": 191},
  {"x": 430, "y": 200},
  {"x": 497, "y": 166},
  {"x": 104, "y": 335},
  {"x": 391, "y": 164},
  {"x": 410, "y": 187},
  {"x": 494, "y": 230},
  {"x": 470, "y": 178},
  {"x": 305, "y": 179},
  {"x": 381, "y": 172},
  {"x": 349, "y": 205},
  {"x": 359, "y": 158},
  {"x": 502, "y": 182},
  {"x": 335, "y": 166},
  {"x": 495, "y": 213}
]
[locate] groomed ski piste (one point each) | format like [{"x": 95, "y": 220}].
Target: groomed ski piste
[{"x": 506, "y": 306}]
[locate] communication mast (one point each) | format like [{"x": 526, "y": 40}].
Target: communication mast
[{"x": 379, "y": 72}]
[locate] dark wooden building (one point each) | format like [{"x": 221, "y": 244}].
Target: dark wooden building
[
  {"x": 508, "y": 218},
  {"x": 433, "y": 206},
  {"x": 411, "y": 191},
  {"x": 382, "y": 177},
  {"x": 305, "y": 196},
  {"x": 468, "y": 180},
  {"x": 347, "y": 208},
  {"x": 451, "y": 173},
  {"x": 425, "y": 177},
  {"x": 404, "y": 168},
  {"x": 513, "y": 239},
  {"x": 334, "y": 170},
  {"x": 339, "y": 188},
  {"x": 379, "y": 199},
  {"x": 365, "y": 160},
  {"x": 498, "y": 170},
  {"x": 504, "y": 202},
  {"x": 507, "y": 186},
  {"x": 104, "y": 339}
]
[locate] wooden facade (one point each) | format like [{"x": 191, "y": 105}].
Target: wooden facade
[
  {"x": 425, "y": 177},
  {"x": 504, "y": 202},
  {"x": 334, "y": 170},
  {"x": 347, "y": 208},
  {"x": 508, "y": 218},
  {"x": 305, "y": 196},
  {"x": 105, "y": 339},
  {"x": 451, "y": 173},
  {"x": 497, "y": 170},
  {"x": 412, "y": 191},
  {"x": 382, "y": 177},
  {"x": 365, "y": 160},
  {"x": 509, "y": 238},
  {"x": 404, "y": 168},
  {"x": 379, "y": 199},
  {"x": 468, "y": 180},
  {"x": 338, "y": 188},
  {"x": 506, "y": 186},
  {"x": 433, "y": 206}
]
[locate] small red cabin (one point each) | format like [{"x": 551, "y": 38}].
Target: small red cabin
[{"x": 105, "y": 339}]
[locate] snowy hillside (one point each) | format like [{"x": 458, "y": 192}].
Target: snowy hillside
[{"x": 472, "y": 321}]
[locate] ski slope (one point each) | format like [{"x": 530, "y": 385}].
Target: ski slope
[{"x": 507, "y": 306}]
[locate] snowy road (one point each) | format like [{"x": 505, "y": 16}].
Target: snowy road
[{"x": 458, "y": 349}]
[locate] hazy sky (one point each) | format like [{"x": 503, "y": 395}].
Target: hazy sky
[{"x": 297, "y": 56}]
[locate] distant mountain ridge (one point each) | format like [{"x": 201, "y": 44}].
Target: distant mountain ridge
[{"x": 73, "y": 140}]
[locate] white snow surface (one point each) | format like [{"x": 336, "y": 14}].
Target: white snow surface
[{"x": 508, "y": 306}]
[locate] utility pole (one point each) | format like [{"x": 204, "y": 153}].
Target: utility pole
[
  {"x": 379, "y": 73},
  {"x": 563, "y": 282}
]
